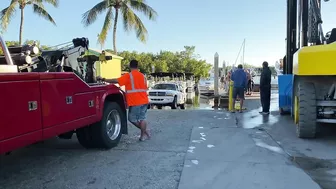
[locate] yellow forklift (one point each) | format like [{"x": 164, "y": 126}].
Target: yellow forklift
[{"x": 307, "y": 86}]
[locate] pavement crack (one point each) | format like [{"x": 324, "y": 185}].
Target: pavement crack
[
  {"x": 162, "y": 151},
  {"x": 237, "y": 121}
]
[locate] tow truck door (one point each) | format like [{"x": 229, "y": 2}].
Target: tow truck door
[
  {"x": 58, "y": 99},
  {"x": 20, "y": 110},
  {"x": 86, "y": 103}
]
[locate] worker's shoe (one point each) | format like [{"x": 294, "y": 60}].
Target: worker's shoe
[{"x": 264, "y": 113}]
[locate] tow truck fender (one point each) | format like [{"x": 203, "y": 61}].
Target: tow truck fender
[{"x": 113, "y": 94}]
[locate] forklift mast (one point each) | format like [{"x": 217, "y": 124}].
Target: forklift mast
[{"x": 304, "y": 25}]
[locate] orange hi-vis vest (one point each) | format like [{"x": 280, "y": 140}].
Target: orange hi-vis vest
[{"x": 136, "y": 88}]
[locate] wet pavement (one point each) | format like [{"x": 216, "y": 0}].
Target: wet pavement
[
  {"x": 236, "y": 152},
  {"x": 194, "y": 148}
]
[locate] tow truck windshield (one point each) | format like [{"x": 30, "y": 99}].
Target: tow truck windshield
[{"x": 165, "y": 86}]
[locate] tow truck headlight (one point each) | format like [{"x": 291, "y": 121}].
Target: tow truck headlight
[{"x": 169, "y": 94}]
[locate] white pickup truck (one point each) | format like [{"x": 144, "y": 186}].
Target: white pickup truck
[{"x": 167, "y": 94}]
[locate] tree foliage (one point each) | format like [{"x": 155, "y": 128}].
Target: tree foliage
[
  {"x": 7, "y": 13},
  {"x": 167, "y": 61},
  {"x": 127, "y": 10}
]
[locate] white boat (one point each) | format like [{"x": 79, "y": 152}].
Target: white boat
[{"x": 206, "y": 86}]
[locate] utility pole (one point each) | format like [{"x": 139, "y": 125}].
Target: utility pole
[{"x": 216, "y": 100}]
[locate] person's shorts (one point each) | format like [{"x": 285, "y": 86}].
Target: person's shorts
[
  {"x": 137, "y": 113},
  {"x": 238, "y": 91}
]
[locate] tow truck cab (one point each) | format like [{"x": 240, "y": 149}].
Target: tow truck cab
[{"x": 36, "y": 106}]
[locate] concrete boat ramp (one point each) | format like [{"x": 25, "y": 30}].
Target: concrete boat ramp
[{"x": 253, "y": 151}]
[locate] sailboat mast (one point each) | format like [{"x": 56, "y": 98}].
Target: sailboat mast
[
  {"x": 243, "y": 52},
  {"x": 242, "y": 46}
]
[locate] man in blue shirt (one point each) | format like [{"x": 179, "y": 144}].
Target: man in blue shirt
[{"x": 239, "y": 79}]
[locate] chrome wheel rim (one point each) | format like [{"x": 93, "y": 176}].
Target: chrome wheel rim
[{"x": 113, "y": 124}]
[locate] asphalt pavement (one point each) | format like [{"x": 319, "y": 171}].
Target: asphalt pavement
[{"x": 198, "y": 148}]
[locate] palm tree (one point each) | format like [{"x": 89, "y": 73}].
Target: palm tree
[
  {"x": 129, "y": 18},
  {"x": 7, "y": 14}
]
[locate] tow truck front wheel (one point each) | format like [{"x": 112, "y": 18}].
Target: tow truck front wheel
[
  {"x": 106, "y": 133},
  {"x": 174, "y": 103}
]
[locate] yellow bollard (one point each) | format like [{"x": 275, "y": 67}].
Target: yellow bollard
[{"x": 230, "y": 95}]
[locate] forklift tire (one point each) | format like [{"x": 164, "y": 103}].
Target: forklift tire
[
  {"x": 100, "y": 135},
  {"x": 305, "y": 110}
]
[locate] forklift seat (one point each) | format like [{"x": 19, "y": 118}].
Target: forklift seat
[{"x": 332, "y": 36}]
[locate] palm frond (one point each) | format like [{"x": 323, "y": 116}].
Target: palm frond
[
  {"x": 7, "y": 14},
  {"x": 106, "y": 27},
  {"x": 90, "y": 16},
  {"x": 39, "y": 10},
  {"x": 132, "y": 21},
  {"x": 37, "y": 2},
  {"x": 128, "y": 17},
  {"x": 54, "y": 3},
  {"x": 141, "y": 6}
]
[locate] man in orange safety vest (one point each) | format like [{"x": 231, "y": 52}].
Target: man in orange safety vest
[{"x": 136, "y": 96}]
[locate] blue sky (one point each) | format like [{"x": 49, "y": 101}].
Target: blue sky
[{"x": 214, "y": 26}]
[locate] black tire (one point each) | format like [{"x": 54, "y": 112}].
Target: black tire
[
  {"x": 182, "y": 106},
  {"x": 306, "y": 123},
  {"x": 174, "y": 104},
  {"x": 159, "y": 107},
  {"x": 96, "y": 135},
  {"x": 85, "y": 137}
]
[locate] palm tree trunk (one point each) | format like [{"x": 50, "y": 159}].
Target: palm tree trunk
[
  {"x": 21, "y": 26},
  {"x": 115, "y": 31}
]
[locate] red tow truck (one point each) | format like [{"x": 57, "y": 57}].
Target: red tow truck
[{"x": 54, "y": 93}]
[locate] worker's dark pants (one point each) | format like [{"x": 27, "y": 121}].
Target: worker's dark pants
[{"x": 265, "y": 98}]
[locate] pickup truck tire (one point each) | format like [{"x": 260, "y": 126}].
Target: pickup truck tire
[
  {"x": 107, "y": 132},
  {"x": 174, "y": 103}
]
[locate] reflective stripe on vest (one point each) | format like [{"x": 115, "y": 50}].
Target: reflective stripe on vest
[{"x": 133, "y": 90}]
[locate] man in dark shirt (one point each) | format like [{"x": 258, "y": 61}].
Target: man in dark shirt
[
  {"x": 239, "y": 83},
  {"x": 265, "y": 88}
]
